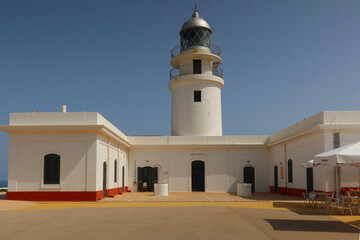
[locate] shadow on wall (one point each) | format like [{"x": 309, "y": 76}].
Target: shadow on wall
[{"x": 311, "y": 226}]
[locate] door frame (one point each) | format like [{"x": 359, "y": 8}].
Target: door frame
[
  {"x": 123, "y": 178},
  {"x": 308, "y": 189},
  {"x": 253, "y": 182},
  {"x": 191, "y": 175},
  {"x": 276, "y": 179},
  {"x": 105, "y": 179}
]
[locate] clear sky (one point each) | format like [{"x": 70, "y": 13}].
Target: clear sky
[{"x": 283, "y": 60}]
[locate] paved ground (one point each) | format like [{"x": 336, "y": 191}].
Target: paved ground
[
  {"x": 257, "y": 218},
  {"x": 197, "y": 197}
]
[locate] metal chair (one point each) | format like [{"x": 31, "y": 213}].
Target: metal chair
[
  {"x": 308, "y": 198},
  {"x": 352, "y": 202},
  {"x": 338, "y": 203}
]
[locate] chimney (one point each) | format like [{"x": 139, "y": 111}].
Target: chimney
[{"x": 63, "y": 108}]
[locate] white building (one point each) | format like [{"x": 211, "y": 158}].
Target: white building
[{"x": 83, "y": 157}]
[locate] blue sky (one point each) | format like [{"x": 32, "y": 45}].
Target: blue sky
[{"x": 282, "y": 60}]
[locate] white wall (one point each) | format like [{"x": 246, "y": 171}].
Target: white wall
[
  {"x": 242, "y": 157},
  {"x": 189, "y": 118},
  {"x": 107, "y": 151},
  {"x": 26, "y": 157},
  {"x": 299, "y": 150},
  {"x": 223, "y": 166}
]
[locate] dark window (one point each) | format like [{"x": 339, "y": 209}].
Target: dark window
[
  {"x": 115, "y": 172},
  {"x": 290, "y": 171},
  {"x": 52, "y": 169},
  {"x": 336, "y": 140},
  {"x": 197, "y": 96},
  {"x": 197, "y": 66}
]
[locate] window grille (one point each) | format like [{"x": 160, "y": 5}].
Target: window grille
[
  {"x": 52, "y": 169},
  {"x": 197, "y": 66},
  {"x": 336, "y": 140}
]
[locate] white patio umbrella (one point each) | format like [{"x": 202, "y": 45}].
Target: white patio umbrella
[
  {"x": 348, "y": 155},
  {"x": 308, "y": 164}
]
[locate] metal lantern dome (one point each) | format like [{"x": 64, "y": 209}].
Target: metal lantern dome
[{"x": 195, "y": 33}]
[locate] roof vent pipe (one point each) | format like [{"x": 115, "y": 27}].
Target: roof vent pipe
[{"x": 63, "y": 108}]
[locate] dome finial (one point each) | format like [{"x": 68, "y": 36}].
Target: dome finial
[{"x": 195, "y": 13}]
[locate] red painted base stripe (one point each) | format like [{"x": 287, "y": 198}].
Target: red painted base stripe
[
  {"x": 55, "y": 196},
  {"x": 64, "y": 196},
  {"x": 289, "y": 191},
  {"x": 294, "y": 191}
]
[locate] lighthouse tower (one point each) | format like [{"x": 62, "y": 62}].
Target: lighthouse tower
[{"x": 196, "y": 82}]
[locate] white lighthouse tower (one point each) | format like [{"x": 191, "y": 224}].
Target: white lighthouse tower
[{"x": 196, "y": 82}]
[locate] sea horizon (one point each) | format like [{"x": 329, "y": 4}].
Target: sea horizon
[{"x": 3, "y": 183}]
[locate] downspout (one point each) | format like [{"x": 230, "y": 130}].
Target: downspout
[
  {"x": 285, "y": 170},
  {"x": 108, "y": 168}
]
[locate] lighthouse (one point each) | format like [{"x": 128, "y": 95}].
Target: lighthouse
[{"x": 196, "y": 81}]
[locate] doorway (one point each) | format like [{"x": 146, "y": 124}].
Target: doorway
[
  {"x": 104, "y": 178},
  {"x": 249, "y": 176},
  {"x": 147, "y": 176},
  {"x": 276, "y": 187},
  {"x": 309, "y": 180},
  {"x": 123, "y": 179},
  {"x": 198, "y": 176}
]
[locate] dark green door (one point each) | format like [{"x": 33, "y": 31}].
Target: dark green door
[
  {"x": 148, "y": 175},
  {"x": 104, "y": 178},
  {"x": 123, "y": 179},
  {"x": 309, "y": 180},
  {"x": 198, "y": 176},
  {"x": 149, "y": 178},
  {"x": 249, "y": 176},
  {"x": 276, "y": 179},
  {"x": 140, "y": 178}
]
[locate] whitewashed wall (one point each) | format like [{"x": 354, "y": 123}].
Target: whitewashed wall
[
  {"x": 77, "y": 161},
  {"x": 299, "y": 150},
  {"x": 107, "y": 151},
  {"x": 255, "y": 157},
  {"x": 223, "y": 166}
]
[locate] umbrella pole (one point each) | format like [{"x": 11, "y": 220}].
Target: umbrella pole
[{"x": 336, "y": 182}]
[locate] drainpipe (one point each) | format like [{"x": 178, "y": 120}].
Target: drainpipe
[{"x": 285, "y": 170}]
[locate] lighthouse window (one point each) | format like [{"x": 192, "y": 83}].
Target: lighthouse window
[
  {"x": 195, "y": 37},
  {"x": 197, "y": 66},
  {"x": 197, "y": 96},
  {"x": 52, "y": 169}
]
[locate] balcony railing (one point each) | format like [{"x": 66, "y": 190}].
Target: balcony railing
[
  {"x": 214, "y": 50},
  {"x": 216, "y": 71}
]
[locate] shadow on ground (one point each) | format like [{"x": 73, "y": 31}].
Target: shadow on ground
[
  {"x": 298, "y": 207},
  {"x": 269, "y": 196},
  {"x": 311, "y": 226}
]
